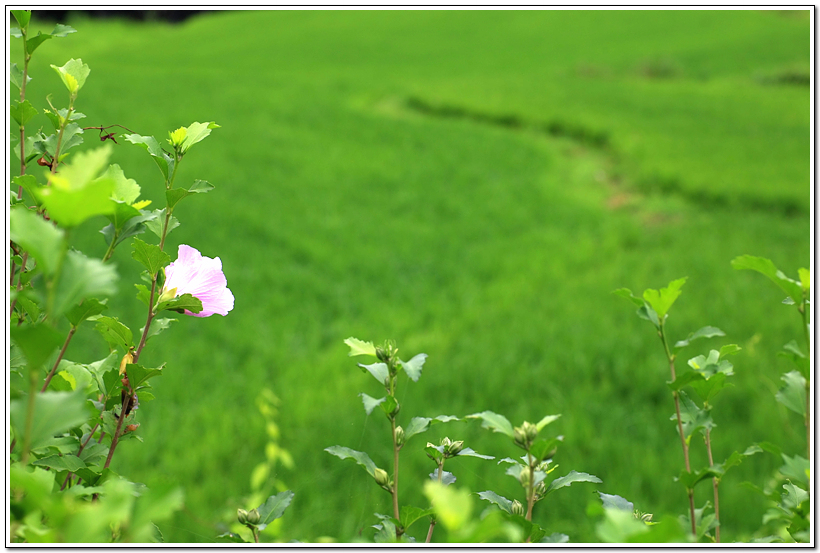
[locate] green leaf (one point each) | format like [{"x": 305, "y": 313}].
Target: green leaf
[
  {"x": 82, "y": 278},
  {"x": 83, "y": 311},
  {"x": 62, "y": 31},
  {"x": 544, "y": 449},
  {"x": 358, "y": 347},
  {"x": 805, "y": 279},
  {"x": 447, "y": 478},
  {"x": 150, "y": 144},
  {"x": 73, "y": 73},
  {"x": 115, "y": 333},
  {"x": 793, "y": 393},
  {"x": 546, "y": 420},
  {"x": 570, "y": 479},
  {"x": 73, "y": 195},
  {"x": 468, "y": 452},
  {"x": 501, "y": 501},
  {"x": 413, "y": 367},
  {"x": 138, "y": 375},
  {"x": 94, "y": 454},
  {"x": 389, "y": 405},
  {"x": 150, "y": 256},
  {"x": 690, "y": 479},
  {"x": 708, "y": 389},
  {"x": 378, "y": 370},
  {"x": 54, "y": 413},
  {"x": 646, "y": 312},
  {"x": 181, "y": 303},
  {"x": 692, "y": 417},
  {"x": 729, "y": 349},
  {"x": 230, "y": 537},
  {"x": 273, "y": 508},
  {"x": 157, "y": 223},
  {"x": 125, "y": 189},
  {"x": 157, "y": 326},
  {"x": 555, "y": 537},
  {"x": 70, "y": 463},
  {"x": 627, "y": 293},
  {"x": 370, "y": 403},
  {"x": 37, "y": 343},
  {"x": 767, "y": 268},
  {"x": 360, "y": 457},
  {"x": 44, "y": 242},
  {"x": 16, "y": 77},
  {"x": 616, "y": 502},
  {"x": 100, "y": 368},
  {"x": 493, "y": 421},
  {"x": 197, "y": 132},
  {"x": 662, "y": 300},
  {"x": 705, "y": 332},
  {"x": 22, "y": 112},
  {"x": 410, "y": 514},
  {"x": 22, "y": 17},
  {"x": 796, "y": 468},
  {"x": 175, "y": 195}
]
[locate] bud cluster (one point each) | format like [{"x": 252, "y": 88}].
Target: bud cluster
[
  {"x": 525, "y": 434},
  {"x": 248, "y": 518},
  {"x": 451, "y": 448}
]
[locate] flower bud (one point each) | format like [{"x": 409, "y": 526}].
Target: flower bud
[
  {"x": 382, "y": 478},
  {"x": 177, "y": 137},
  {"x": 517, "y": 508},
  {"x": 520, "y": 437},
  {"x": 530, "y": 430},
  {"x": 446, "y": 442},
  {"x": 254, "y": 517},
  {"x": 454, "y": 448},
  {"x": 131, "y": 427},
  {"x": 540, "y": 489},
  {"x": 399, "y": 436},
  {"x": 242, "y": 516},
  {"x": 524, "y": 477},
  {"x": 381, "y": 354}
]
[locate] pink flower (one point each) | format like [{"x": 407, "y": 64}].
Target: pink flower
[{"x": 202, "y": 277}]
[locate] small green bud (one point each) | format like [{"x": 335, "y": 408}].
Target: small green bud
[
  {"x": 399, "y": 436},
  {"x": 382, "y": 355},
  {"x": 517, "y": 508},
  {"x": 242, "y": 516},
  {"x": 524, "y": 477},
  {"x": 382, "y": 478},
  {"x": 540, "y": 489},
  {"x": 530, "y": 430},
  {"x": 254, "y": 517},
  {"x": 454, "y": 448},
  {"x": 446, "y": 442},
  {"x": 520, "y": 437}
]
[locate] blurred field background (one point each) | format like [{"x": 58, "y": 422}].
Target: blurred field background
[{"x": 472, "y": 184}]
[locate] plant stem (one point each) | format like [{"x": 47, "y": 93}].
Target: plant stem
[
  {"x": 32, "y": 393},
  {"x": 530, "y": 488},
  {"x": 115, "y": 440},
  {"x": 715, "y": 483},
  {"x": 59, "y": 358},
  {"x": 395, "y": 491},
  {"x": 19, "y": 284},
  {"x": 804, "y": 313},
  {"x": 690, "y": 492},
  {"x": 433, "y": 518}
]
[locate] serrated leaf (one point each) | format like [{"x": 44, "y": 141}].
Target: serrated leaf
[
  {"x": 493, "y": 421},
  {"x": 157, "y": 326},
  {"x": 705, "y": 332},
  {"x": 796, "y": 468},
  {"x": 693, "y": 418},
  {"x": 378, "y": 370},
  {"x": 360, "y": 457},
  {"x": 389, "y": 405},
  {"x": 157, "y": 223},
  {"x": 370, "y": 403},
  {"x": 273, "y": 508},
  {"x": 729, "y": 349},
  {"x": 37, "y": 342},
  {"x": 54, "y": 413},
  {"x": 181, "y": 303},
  {"x": 115, "y": 333},
  {"x": 359, "y": 347},
  {"x": 138, "y": 375},
  {"x": 82, "y": 278},
  {"x": 413, "y": 367},
  {"x": 150, "y": 256},
  {"x": 196, "y": 133},
  {"x": 504, "y": 503},
  {"x": 570, "y": 479},
  {"x": 22, "y": 112},
  {"x": 73, "y": 73},
  {"x": 87, "y": 308},
  {"x": 661, "y": 300}
]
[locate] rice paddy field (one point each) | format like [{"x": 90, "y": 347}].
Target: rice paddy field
[{"x": 473, "y": 185}]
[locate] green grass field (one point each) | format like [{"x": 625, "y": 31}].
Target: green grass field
[{"x": 472, "y": 184}]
